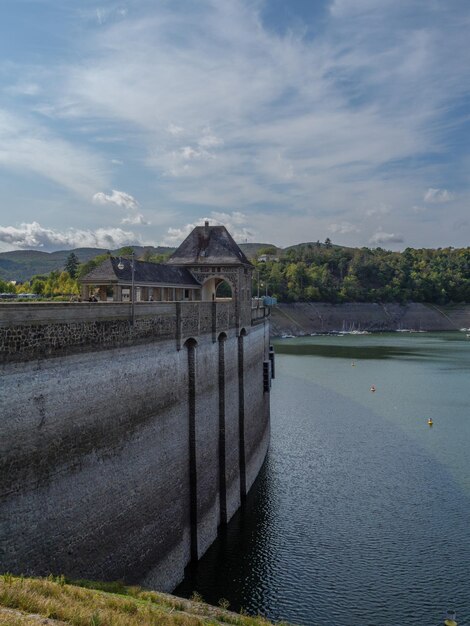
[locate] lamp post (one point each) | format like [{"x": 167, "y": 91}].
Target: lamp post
[
  {"x": 133, "y": 288},
  {"x": 121, "y": 267}
]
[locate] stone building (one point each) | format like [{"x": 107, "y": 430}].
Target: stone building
[
  {"x": 158, "y": 282},
  {"x": 207, "y": 257}
]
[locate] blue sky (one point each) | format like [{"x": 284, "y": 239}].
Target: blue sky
[{"x": 289, "y": 121}]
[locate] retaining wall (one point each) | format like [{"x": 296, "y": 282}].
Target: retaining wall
[
  {"x": 121, "y": 461},
  {"x": 315, "y": 317}
]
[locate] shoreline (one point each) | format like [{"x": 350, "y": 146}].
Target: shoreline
[{"x": 303, "y": 319}]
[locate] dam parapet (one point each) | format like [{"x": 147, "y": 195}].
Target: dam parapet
[{"x": 40, "y": 330}]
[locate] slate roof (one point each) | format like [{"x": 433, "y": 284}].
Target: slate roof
[
  {"x": 155, "y": 273},
  {"x": 208, "y": 245}
]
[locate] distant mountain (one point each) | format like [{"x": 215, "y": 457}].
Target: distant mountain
[
  {"x": 22, "y": 264},
  {"x": 314, "y": 244},
  {"x": 251, "y": 250}
]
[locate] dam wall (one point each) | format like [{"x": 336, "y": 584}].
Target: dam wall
[
  {"x": 317, "y": 317},
  {"x": 127, "y": 437}
]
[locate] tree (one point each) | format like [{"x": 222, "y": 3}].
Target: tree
[
  {"x": 37, "y": 286},
  {"x": 147, "y": 255},
  {"x": 71, "y": 265},
  {"x": 6, "y": 287},
  {"x": 125, "y": 251},
  {"x": 85, "y": 268},
  {"x": 328, "y": 243},
  {"x": 268, "y": 250}
]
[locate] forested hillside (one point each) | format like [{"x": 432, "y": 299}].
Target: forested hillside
[
  {"x": 324, "y": 273},
  {"x": 311, "y": 272}
]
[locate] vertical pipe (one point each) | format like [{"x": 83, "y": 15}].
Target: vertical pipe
[
  {"x": 192, "y": 450},
  {"x": 222, "y": 450},
  {"x": 241, "y": 418}
]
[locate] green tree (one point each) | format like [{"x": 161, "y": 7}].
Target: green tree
[
  {"x": 125, "y": 251},
  {"x": 71, "y": 265},
  {"x": 85, "y": 268},
  {"x": 6, "y": 287},
  {"x": 37, "y": 286},
  {"x": 269, "y": 250}
]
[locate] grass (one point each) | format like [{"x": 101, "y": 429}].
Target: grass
[{"x": 28, "y": 601}]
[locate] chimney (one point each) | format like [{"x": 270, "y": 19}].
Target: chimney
[{"x": 206, "y": 228}]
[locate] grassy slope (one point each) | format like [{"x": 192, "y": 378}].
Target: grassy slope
[{"x": 53, "y": 601}]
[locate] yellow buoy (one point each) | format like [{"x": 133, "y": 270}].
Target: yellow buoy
[{"x": 430, "y": 422}]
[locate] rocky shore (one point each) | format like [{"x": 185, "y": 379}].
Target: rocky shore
[{"x": 318, "y": 317}]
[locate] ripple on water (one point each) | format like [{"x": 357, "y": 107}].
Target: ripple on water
[{"x": 353, "y": 520}]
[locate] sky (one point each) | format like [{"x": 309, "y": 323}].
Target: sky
[{"x": 286, "y": 120}]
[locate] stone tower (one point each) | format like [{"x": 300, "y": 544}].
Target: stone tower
[{"x": 212, "y": 256}]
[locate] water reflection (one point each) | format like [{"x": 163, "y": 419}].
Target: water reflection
[
  {"x": 360, "y": 514},
  {"x": 348, "y": 352}
]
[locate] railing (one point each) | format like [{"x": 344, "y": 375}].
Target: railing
[
  {"x": 259, "y": 313},
  {"x": 49, "y": 312}
]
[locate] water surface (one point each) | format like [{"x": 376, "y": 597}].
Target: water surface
[{"x": 361, "y": 513}]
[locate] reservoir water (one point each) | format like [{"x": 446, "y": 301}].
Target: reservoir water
[{"x": 361, "y": 514}]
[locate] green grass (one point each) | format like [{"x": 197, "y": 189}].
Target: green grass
[{"x": 86, "y": 603}]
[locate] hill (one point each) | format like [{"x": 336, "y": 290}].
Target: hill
[
  {"x": 252, "y": 249},
  {"x": 55, "y": 602},
  {"x": 20, "y": 265}
]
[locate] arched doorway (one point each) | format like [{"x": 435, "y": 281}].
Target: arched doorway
[
  {"x": 217, "y": 288},
  {"x": 223, "y": 291}
]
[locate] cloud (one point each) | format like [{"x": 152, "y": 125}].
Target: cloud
[
  {"x": 234, "y": 222},
  {"x": 183, "y": 162},
  {"x": 103, "y": 14},
  {"x": 117, "y": 162},
  {"x": 124, "y": 201},
  {"x": 226, "y": 110},
  {"x": 438, "y": 196},
  {"x": 381, "y": 237},
  {"x": 136, "y": 218},
  {"x": 343, "y": 228},
  {"x": 380, "y": 209},
  {"x": 119, "y": 198},
  {"x": 188, "y": 153},
  {"x": 209, "y": 141},
  {"x": 33, "y": 235},
  {"x": 27, "y": 146},
  {"x": 174, "y": 130},
  {"x": 328, "y": 110},
  {"x": 23, "y": 89}
]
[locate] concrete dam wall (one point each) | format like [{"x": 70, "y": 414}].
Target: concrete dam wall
[
  {"x": 125, "y": 446},
  {"x": 317, "y": 317}
]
